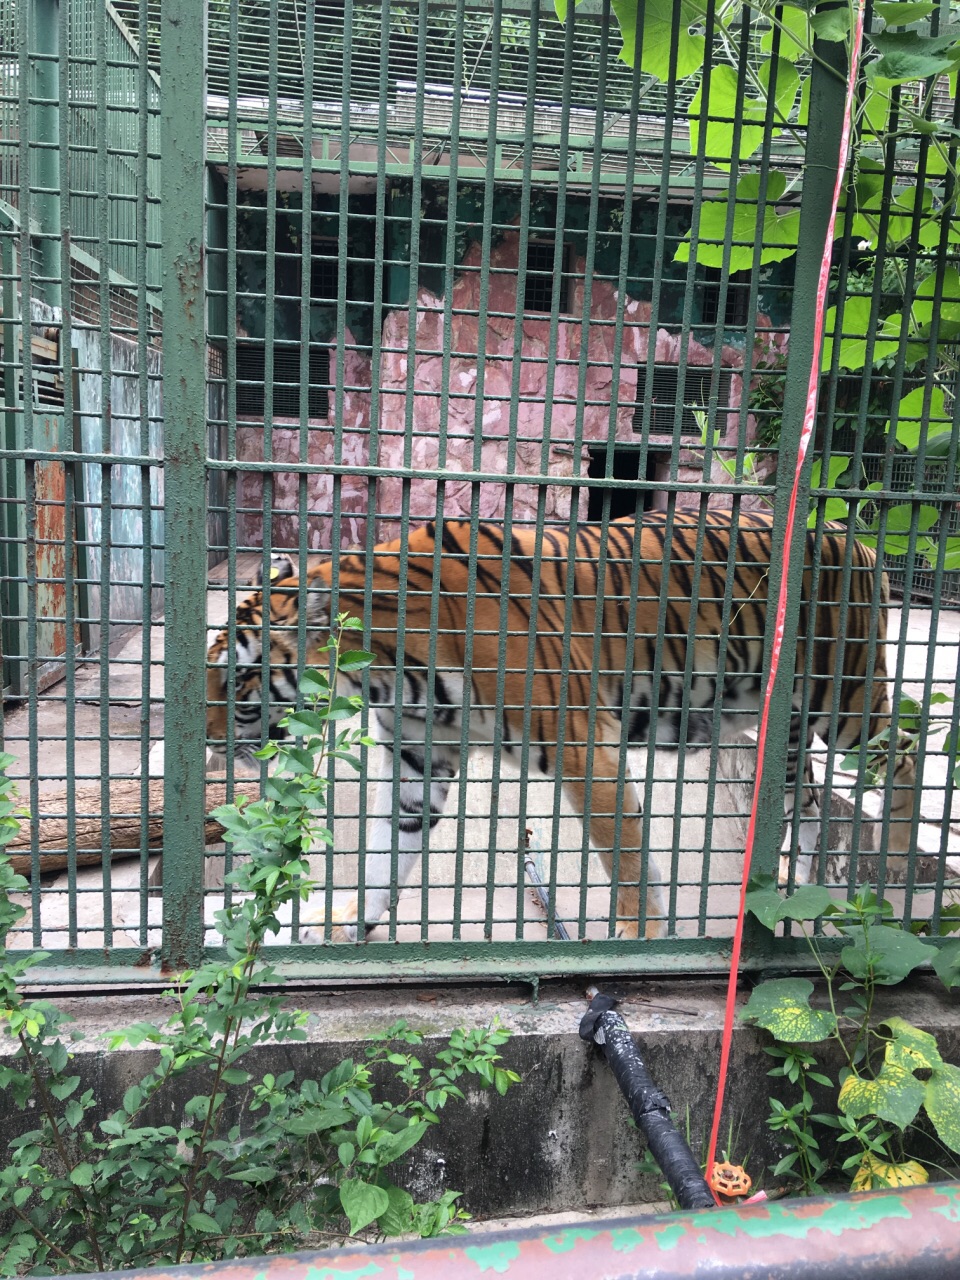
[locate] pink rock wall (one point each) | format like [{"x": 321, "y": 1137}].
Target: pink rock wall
[
  {"x": 543, "y": 428},
  {"x": 321, "y": 451}
]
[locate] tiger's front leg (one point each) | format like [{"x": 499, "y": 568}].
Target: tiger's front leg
[
  {"x": 397, "y": 823},
  {"x": 619, "y": 844}
]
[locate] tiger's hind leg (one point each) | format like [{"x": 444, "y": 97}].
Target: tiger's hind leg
[
  {"x": 900, "y": 792},
  {"x": 590, "y": 782},
  {"x": 902, "y": 805},
  {"x": 808, "y": 834}
]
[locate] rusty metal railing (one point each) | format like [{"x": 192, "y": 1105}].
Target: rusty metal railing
[{"x": 907, "y": 1234}]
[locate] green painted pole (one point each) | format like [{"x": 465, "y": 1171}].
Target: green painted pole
[
  {"x": 827, "y": 88},
  {"x": 182, "y": 73}
]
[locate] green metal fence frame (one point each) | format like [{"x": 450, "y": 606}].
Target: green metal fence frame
[{"x": 188, "y": 468}]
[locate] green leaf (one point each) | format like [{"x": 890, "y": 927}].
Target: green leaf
[
  {"x": 203, "y": 1222},
  {"x": 912, "y": 423},
  {"x": 853, "y": 341},
  {"x": 893, "y": 953},
  {"x": 942, "y": 1102},
  {"x": 764, "y": 903},
  {"x": 392, "y": 1146},
  {"x": 63, "y": 1088},
  {"x": 902, "y": 213},
  {"x": 946, "y": 963},
  {"x": 795, "y": 37},
  {"x": 304, "y": 724},
  {"x": 723, "y": 102},
  {"x": 235, "y": 1075},
  {"x": 876, "y": 1173},
  {"x": 362, "y": 1202},
  {"x": 895, "y": 1095},
  {"x": 398, "y": 1217},
  {"x": 81, "y": 1175},
  {"x": 783, "y": 1007},
  {"x": 132, "y": 1099},
  {"x": 355, "y": 660},
  {"x": 257, "y": 1174},
  {"x": 342, "y": 709},
  {"x": 938, "y": 446},
  {"x": 783, "y": 75},
  {"x": 900, "y": 517},
  {"x": 918, "y": 321},
  {"x": 806, "y": 903},
  {"x": 833, "y": 508},
  {"x": 907, "y": 55},
  {"x": 838, "y": 467},
  {"x": 834, "y": 24},
  {"x": 314, "y": 684},
  {"x": 900, "y": 13},
  {"x": 778, "y": 235},
  {"x": 912, "y": 41},
  {"x": 947, "y": 307},
  {"x": 346, "y": 1153},
  {"x": 659, "y": 26}
]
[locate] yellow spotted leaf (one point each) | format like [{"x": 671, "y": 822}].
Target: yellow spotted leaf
[
  {"x": 783, "y": 1007},
  {"x": 895, "y": 1095},
  {"x": 942, "y": 1101},
  {"x": 910, "y": 1047},
  {"x": 875, "y": 1173}
]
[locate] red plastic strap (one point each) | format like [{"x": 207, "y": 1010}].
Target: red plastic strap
[{"x": 809, "y": 418}]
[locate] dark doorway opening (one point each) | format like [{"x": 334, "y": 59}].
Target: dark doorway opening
[{"x": 626, "y": 466}]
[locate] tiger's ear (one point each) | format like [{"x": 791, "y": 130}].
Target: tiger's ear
[{"x": 281, "y": 567}]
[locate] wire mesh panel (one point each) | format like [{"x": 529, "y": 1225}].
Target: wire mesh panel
[
  {"x": 498, "y": 341},
  {"x": 82, "y": 569},
  {"x": 565, "y": 294}
]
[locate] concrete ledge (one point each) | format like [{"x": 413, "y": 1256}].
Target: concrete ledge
[{"x": 560, "y": 1141}]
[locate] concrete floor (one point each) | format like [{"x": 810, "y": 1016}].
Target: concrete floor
[{"x": 677, "y": 810}]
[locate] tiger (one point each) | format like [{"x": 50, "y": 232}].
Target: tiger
[{"x": 705, "y": 625}]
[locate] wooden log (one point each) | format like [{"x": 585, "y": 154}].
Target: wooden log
[{"x": 123, "y": 823}]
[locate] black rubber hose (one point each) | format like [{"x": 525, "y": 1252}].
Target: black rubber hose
[{"x": 648, "y": 1104}]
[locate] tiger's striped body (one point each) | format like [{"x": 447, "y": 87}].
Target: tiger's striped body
[{"x": 579, "y": 640}]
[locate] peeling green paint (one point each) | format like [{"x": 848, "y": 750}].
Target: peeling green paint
[
  {"x": 670, "y": 1236},
  {"x": 950, "y": 1209},
  {"x": 834, "y": 1219},
  {"x": 494, "y": 1257},
  {"x": 357, "y": 1273},
  {"x": 568, "y": 1240},
  {"x": 626, "y": 1239}
]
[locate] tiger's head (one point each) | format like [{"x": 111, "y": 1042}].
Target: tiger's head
[{"x": 282, "y": 600}]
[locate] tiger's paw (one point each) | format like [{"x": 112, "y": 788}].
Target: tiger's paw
[
  {"x": 654, "y": 928},
  {"x": 344, "y": 924},
  {"x": 802, "y": 872}
]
